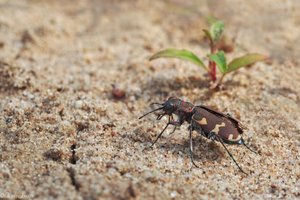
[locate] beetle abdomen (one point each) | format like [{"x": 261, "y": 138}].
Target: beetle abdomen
[{"x": 221, "y": 126}]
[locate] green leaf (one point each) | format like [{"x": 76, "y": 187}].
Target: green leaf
[
  {"x": 181, "y": 54},
  {"x": 245, "y": 60},
  {"x": 207, "y": 33},
  {"x": 220, "y": 59},
  {"x": 216, "y": 30}
]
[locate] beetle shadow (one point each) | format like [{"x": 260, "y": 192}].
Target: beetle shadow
[{"x": 204, "y": 149}]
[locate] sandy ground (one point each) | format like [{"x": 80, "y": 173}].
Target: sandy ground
[{"x": 63, "y": 135}]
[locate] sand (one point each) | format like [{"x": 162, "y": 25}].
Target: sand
[{"x": 66, "y": 133}]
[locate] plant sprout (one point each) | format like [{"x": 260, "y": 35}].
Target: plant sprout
[{"x": 216, "y": 58}]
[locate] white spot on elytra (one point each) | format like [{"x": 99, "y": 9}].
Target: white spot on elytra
[
  {"x": 203, "y": 121},
  {"x": 217, "y": 128}
]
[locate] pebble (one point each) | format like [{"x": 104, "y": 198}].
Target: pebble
[
  {"x": 173, "y": 194},
  {"x": 79, "y": 104}
]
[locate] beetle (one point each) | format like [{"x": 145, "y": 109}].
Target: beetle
[{"x": 209, "y": 123}]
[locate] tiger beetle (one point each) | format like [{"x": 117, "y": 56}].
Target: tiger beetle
[{"x": 209, "y": 123}]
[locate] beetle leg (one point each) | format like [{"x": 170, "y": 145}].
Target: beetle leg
[
  {"x": 191, "y": 147},
  {"x": 173, "y": 130},
  {"x": 221, "y": 141},
  {"x": 159, "y": 135},
  {"x": 243, "y": 143},
  {"x": 171, "y": 121},
  {"x": 212, "y": 136}
]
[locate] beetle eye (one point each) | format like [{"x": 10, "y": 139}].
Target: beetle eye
[{"x": 169, "y": 107}]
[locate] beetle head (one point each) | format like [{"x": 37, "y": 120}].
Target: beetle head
[{"x": 170, "y": 106}]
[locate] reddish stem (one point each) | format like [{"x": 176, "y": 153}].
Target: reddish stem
[{"x": 212, "y": 71}]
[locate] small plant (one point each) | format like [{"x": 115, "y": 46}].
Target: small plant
[{"x": 216, "y": 58}]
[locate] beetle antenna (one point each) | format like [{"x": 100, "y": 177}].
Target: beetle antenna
[
  {"x": 243, "y": 142},
  {"x": 151, "y": 112},
  {"x": 220, "y": 140},
  {"x": 155, "y": 103}
]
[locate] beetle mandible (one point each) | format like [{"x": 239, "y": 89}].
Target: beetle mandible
[{"x": 206, "y": 121}]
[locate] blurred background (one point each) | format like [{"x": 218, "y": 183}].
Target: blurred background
[{"x": 64, "y": 134}]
